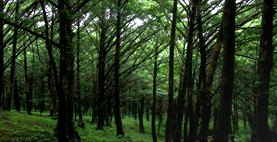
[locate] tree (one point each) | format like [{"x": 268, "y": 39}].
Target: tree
[
  {"x": 117, "y": 113},
  {"x": 224, "y": 123},
  {"x": 65, "y": 126},
  {"x": 153, "y": 111},
  {"x": 11, "y": 81},
  {"x": 1, "y": 56},
  {"x": 264, "y": 70},
  {"x": 170, "y": 110}
]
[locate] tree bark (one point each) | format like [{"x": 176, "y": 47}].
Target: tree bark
[
  {"x": 264, "y": 69},
  {"x": 153, "y": 111},
  {"x": 28, "y": 98},
  {"x": 16, "y": 97},
  {"x": 65, "y": 125},
  {"x": 11, "y": 81},
  {"x": 1, "y": 56},
  {"x": 101, "y": 78},
  {"x": 141, "y": 110},
  {"x": 117, "y": 113},
  {"x": 52, "y": 96},
  {"x": 205, "y": 98},
  {"x": 188, "y": 75},
  {"x": 227, "y": 82},
  {"x": 41, "y": 96},
  {"x": 78, "y": 72},
  {"x": 170, "y": 110}
]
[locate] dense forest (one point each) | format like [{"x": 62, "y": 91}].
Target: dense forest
[{"x": 193, "y": 70}]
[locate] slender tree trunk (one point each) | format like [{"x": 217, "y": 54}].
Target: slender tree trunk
[
  {"x": 50, "y": 90},
  {"x": 52, "y": 96},
  {"x": 153, "y": 111},
  {"x": 170, "y": 110},
  {"x": 160, "y": 113},
  {"x": 1, "y": 56},
  {"x": 101, "y": 79},
  {"x": 16, "y": 97},
  {"x": 11, "y": 81},
  {"x": 147, "y": 113},
  {"x": 227, "y": 82},
  {"x": 141, "y": 110},
  {"x": 117, "y": 113},
  {"x": 28, "y": 101},
  {"x": 205, "y": 99},
  {"x": 65, "y": 125},
  {"x": 186, "y": 127},
  {"x": 135, "y": 109},
  {"x": 264, "y": 69},
  {"x": 188, "y": 75},
  {"x": 78, "y": 72},
  {"x": 209, "y": 82},
  {"x": 41, "y": 96}
]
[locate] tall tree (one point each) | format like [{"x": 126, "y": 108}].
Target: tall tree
[
  {"x": 52, "y": 96},
  {"x": 117, "y": 113},
  {"x": 101, "y": 75},
  {"x": 170, "y": 110},
  {"x": 186, "y": 82},
  {"x": 65, "y": 126},
  {"x": 1, "y": 56},
  {"x": 224, "y": 125},
  {"x": 153, "y": 111},
  {"x": 78, "y": 72},
  {"x": 27, "y": 88},
  {"x": 264, "y": 70},
  {"x": 188, "y": 76},
  {"x": 11, "y": 80}
]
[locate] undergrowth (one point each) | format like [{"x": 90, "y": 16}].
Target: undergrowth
[{"x": 15, "y": 126}]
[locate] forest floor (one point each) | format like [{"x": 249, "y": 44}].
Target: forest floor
[{"x": 16, "y": 126}]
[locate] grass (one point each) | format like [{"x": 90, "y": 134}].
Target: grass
[{"x": 16, "y": 126}]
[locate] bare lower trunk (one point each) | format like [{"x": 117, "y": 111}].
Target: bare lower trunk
[
  {"x": 1, "y": 56},
  {"x": 118, "y": 121},
  {"x": 65, "y": 126},
  {"x": 264, "y": 69},
  {"x": 224, "y": 125},
  {"x": 170, "y": 110},
  {"x": 141, "y": 110}
]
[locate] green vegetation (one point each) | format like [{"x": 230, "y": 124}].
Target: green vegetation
[{"x": 15, "y": 126}]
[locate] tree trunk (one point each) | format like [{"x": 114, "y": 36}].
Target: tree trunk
[
  {"x": 52, "y": 95},
  {"x": 209, "y": 83},
  {"x": 186, "y": 127},
  {"x": 264, "y": 69},
  {"x": 160, "y": 113},
  {"x": 16, "y": 97},
  {"x": 188, "y": 75},
  {"x": 205, "y": 99},
  {"x": 78, "y": 72},
  {"x": 153, "y": 111},
  {"x": 170, "y": 110},
  {"x": 118, "y": 122},
  {"x": 135, "y": 109},
  {"x": 141, "y": 110},
  {"x": 41, "y": 96},
  {"x": 1, "y": 56},
  {"x": 227, "y": 82},
  {"x": 101, "y": 77},
  {"x": 11, "y": 81},
  {"x": 147, "y": 113},
  {"x": 65, "y": 125}
]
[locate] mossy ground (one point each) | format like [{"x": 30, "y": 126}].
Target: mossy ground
[{"x": 16, "y": 126}]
